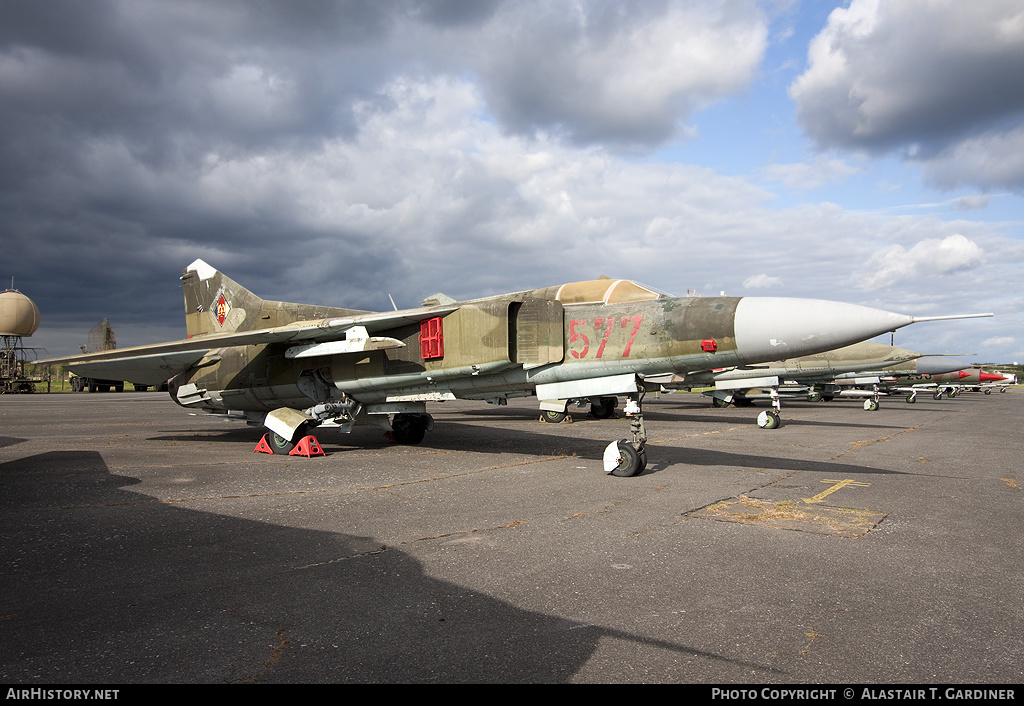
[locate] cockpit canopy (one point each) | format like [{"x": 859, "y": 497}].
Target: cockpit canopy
[{"x": 606, "y": 291}]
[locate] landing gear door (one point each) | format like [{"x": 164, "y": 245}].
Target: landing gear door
[{"x": 538, "y": 332}]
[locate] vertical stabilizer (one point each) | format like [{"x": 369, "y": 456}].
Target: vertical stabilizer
[{"x": 215, "y": 303}]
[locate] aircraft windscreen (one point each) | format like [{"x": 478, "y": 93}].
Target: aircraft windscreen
[{"x": 607, "y": 291}]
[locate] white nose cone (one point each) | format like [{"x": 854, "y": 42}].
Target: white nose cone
[{"x": 775, "y": 328}]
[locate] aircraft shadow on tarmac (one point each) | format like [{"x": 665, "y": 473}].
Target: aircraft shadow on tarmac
[
  {"x": 675, "y": 412},
  {"x": 6, "y": 441},
  {"x": 101, "y": 584},
  {"x": 537, "y": 439}
]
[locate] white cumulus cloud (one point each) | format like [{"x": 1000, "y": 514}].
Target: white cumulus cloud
[
  {"x": 761, "y": 281},
  {"x": 895, "y": 263}
]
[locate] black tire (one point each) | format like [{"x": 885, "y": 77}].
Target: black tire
[
  {"x": 772, "y": 420},
  {"x": 408, "y": 428},
  {"x": 719, "y": 402},
  {"x": 604, "y": 408},
  {"x": 631, "y": 461},
  {"x": 553, "y": 417},
  {"x": 282, "y": 446}
]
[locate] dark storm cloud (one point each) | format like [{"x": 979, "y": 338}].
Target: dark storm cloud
[
  {"x": 454, "y": 13},
  {"x": 163, "y": 75},
  {"x": 917, "y": 77},
  {"x": 274, "y": 139},
  {"x": 106, "y": 108}
]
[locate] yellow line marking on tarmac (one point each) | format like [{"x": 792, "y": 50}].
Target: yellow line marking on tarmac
[{"x": 838, "y": 484}]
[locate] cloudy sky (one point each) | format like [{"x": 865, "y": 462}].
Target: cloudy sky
[{"x": 867, "y": 151}]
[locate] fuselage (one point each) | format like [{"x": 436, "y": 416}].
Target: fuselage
[{"x": 509, "y": 345}]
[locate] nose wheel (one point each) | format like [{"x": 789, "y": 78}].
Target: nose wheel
[
  {"x": 871, "y": 404},
  {"x": 628, "y": 457},
  {"x": 769, "y": 419},
  {"x": 772, "y": 418}
]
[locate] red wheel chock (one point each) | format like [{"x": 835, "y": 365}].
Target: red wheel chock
[{"x": 307, "y": 446}]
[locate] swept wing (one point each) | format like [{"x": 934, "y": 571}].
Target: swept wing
[{"x": 156, "y": 363}]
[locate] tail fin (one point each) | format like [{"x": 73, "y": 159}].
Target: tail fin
[{"x": 215, "y": 303}]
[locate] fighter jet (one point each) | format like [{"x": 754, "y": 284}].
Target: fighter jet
[
  {"x": 1007, "y": 380},
  {"x": 294, "y": 367},
  {"x": 954, "y": 382},
  {"x": 814, "y": 377}
]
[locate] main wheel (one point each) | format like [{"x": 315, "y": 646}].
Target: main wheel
[
  {"x": 870, "y": 405},
  {"x": 719, "y": 402},
  {"x": 553, "y": 417},
  {"x": 814, "y": 397},
  {"x": 631, "y": 462},
  {"x": 769, "y": 420},
  {"x": 408, "y": 428},
  {"x": 282, "y": 446},
  {"x": 604, "y": 408}
]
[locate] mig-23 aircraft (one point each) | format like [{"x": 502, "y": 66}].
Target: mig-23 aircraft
[
  {"x": 953, "y": 382},
  {"x": 293, "y": 367},
  {"x": 815, "y": 377}
]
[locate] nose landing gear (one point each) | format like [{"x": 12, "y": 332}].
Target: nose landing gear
[{"x": 625, "y": 457}]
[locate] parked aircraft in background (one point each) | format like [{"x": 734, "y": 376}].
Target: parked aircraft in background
[
  {"x": 814, "y": 377},
  {"x": 1008, "y": 379},
  {"x": 293, "y": 367},
  {"x": 955, "y": 382}
]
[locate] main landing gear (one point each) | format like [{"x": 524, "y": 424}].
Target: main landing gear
[
  {"x": 409, "y": 428},
  {"x": 626, "y": 458},
  {"x": 600, "y": 408}
]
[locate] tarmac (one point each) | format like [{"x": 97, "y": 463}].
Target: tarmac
[{"x": 143, "y": 544}]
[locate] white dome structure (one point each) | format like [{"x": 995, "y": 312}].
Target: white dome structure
[{"x": 19, "y": 316}]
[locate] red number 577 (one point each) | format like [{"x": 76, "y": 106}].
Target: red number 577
[{"x": 603, "y": 328}]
